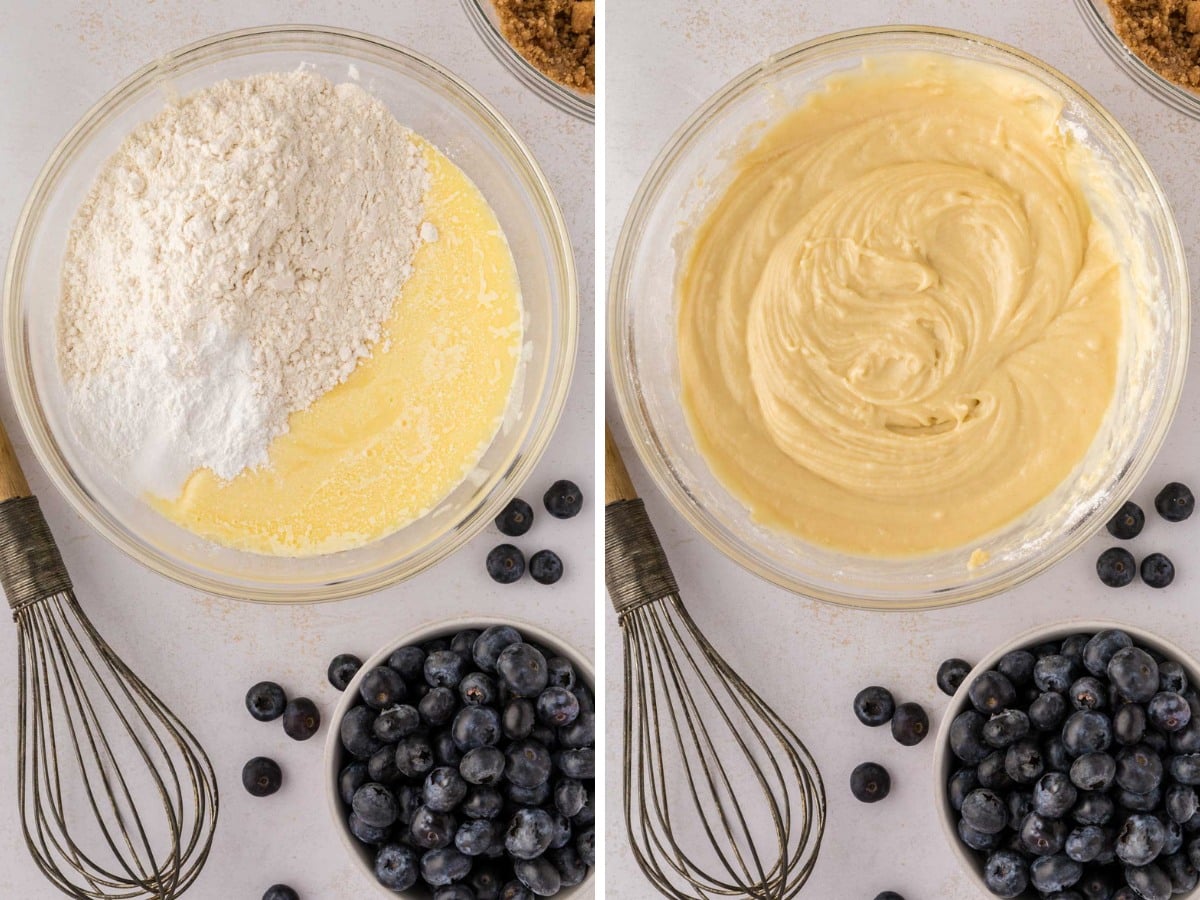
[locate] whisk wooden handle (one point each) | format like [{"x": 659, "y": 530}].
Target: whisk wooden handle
[
  {"x": 12, "y": 479},
  {"x": 617, "y": 483}
]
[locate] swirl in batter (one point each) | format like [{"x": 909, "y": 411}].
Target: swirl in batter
[{"x": 899, "y": 326}]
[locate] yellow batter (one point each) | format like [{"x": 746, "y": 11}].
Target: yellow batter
[
  {"x": 899, "y": 325},
  {"x": 411, "y": 421}
]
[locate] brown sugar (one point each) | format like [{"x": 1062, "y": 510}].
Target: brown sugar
[
  {"x": 1165, "y": 34},
  {"x": 557, "y": 36}
]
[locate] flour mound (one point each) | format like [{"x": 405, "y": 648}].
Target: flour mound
[{"x": 233, "y": 261}]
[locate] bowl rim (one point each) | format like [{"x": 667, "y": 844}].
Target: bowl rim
[
  {"x": 578, "y": 104},
  {"x": 429, "y": 631},
  {"x": 943, "y": 759},
  {"x": 1166, "y": 91},
  {"x": 45, "y": 446},
  {"x": 638, "y": 421}
]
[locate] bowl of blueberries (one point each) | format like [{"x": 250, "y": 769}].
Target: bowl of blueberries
[
  {"x": 1068, "y": 766},
  {"x": 461, "y": 764}
]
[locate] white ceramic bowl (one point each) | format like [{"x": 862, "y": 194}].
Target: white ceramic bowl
[
  {"x": 336, "y": 759},
  {"x": 944, "y": 761}
]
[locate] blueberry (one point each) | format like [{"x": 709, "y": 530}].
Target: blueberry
[
  {"x": 563, "y": 500},
  {"x": 1006, "y": 874},
  {"x": 489, "y": 645},
  {"x": 280, "y": 892},
  {"x": 382, "y": 687},
  {"x": 1023, "y": 761},
  {"x": 527, "y": 763},
  {"x": 888, "y": 895},
  {"x": 1099, "y": 650},
  {"x": 874, "y": 706},
  {"x": 478, "y": 689},
  {"x": 375, "y": 805},
  {"x": 482, "y": 765},
  {"x": 570, "y": 866},
  {"x": 1157, "y": 570},
  {"x": 1134, "y": 673},
  {"x": 381, "y": 766},
  {"x": 408, "y": 662},
  {"x": 505, "y": 564},
  {"x": 1182, "y": 802},
  {"x": 414, "y": 756},
  {"x": 1116, "y": 567},
  {"x": 1185, "y": 768},
  {"x": 1148, "y": 882},
  {"x": 1054, "y": 673},
  {"x": 431, "y": 830},
  {"x": 342, "y": 670},
  {"x": 977, "y": 840},
  {"x": 587, "y": 700},
  {"x": 538, "y": 795},
  {"x": 1129, "y": 724},
  {"x": 1128, "y": 522},
  {"x": 580, "y": 733},
  {"x": 1175, "y": 502},
  {"x": 951, "y": 674},
  {"x": 444, "y": 866},
  {"x": 1094, "y": 772},
  {"x": 1088, "y": 693},
  {"x": 1140, "y": 840},
  {"x": 1179, "y": 869},
  {"x": 1006, "y": 728},
  {"x": 1054, "y": 873},
  {"x": 1020, "y": 804},
  {"x": 474, "y": 837},
  {"x": 301, "y": 719},
  {"x": 364, "y": 833},
  {"x": 514, "y": 890},
  {"x": 454, "y": 892},
  {"x": 485, "y": 881},
  {"x": 522, "y": 669},
  {"x": 585, "y": 845},
  {"x": 870, "y": 782},
  {"x": 438, "y": 706},
  {"x": 991, "y": 692},
  {"x": 984, "y": 811},
  {"x": 519, "y": 718},
  {"x": 1042, "y": 836},
  {"x": 910, "y": 724},
  {"x": 1017, "y": 667},
  {"x": 1054, "y": 795},
  {"x": 966, "y": 737},
  {"x": 515, "y": 519},
  {"x": 1168, "y": 712},
  {"x": 463, "y": 643},
  {"x": 444, "y": 789},
  {"x": 397, "y": 867},
  {"x": 569, "y": 796},
  {"x": 395, "y": 723},
  {"x": 1086, "y": 731},
  {"x": 1047, "y": 712},
  {"x": 560, "y": 673},
  {"x": 1093, "y": 809},
  {"x": 1172, "y": 677},
  {"x": 350, "y": 779},
  {"x": 266, "y": 701},
  {"x": 482, "y": 803},
  {"x": 961, "y": 783},
  {"x": 261, "y": 776},
  {"x": 545, "y": 567},
  {"x": 476, "y": 726},
  {"x": 1055, "y": 755},
  {"x": 1134, "y": 802},
  {"x": 579, "y": 763},
  {"x": 992, "y": 774},
  {"x": 557, "y": 707},
  {"x": 1086, "y": 843},
  {"x": 357, "y": 732},
  {"x": 1174, "y": 832},
  {"x": 529, "y": 834},
  {"x": 445, "y": 751}
]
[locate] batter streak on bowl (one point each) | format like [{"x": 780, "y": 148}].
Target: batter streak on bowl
[{"x": 899, "y": 324}]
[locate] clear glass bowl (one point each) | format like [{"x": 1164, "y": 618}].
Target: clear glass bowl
[
  {"x": 336, "y": 757},
  {"x": 482, "y": 14},
  {"x": 655, "y": 239},
  {"x": 432, "y": 102},
  {"x": 1099, "y": 20}
]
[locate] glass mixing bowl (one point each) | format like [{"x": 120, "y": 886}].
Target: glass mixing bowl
[
  {"x": 482, "y": 14},
  {"x": 1099, "y": 20},
  {"x": 674, "y": 197},
  {"x": 430, "y": 101}
]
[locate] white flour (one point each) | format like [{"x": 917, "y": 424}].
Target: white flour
[{"x": 234, "y": 260}]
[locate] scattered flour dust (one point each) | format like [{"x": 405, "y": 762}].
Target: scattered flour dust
[{"x": 234, "y": 260}]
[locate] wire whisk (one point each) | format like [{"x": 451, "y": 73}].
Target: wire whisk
[
  {"x": 118, "y": 800},
  {"x": 722, "y": 799}
]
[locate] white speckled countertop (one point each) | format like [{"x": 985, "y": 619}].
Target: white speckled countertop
[
  {"x": 201, "y": 653},
  {"x": 809, "y": 659}
]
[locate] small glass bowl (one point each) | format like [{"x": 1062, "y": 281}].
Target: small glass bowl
[
  {"x": 945, "y": 762},
  {"x": 1098, "y": 18},
  {"x": 336, "y": 757},
  {"x": 674, "y": 197},
  {"x": 430, "y": 101},
  {"x": 482, "y": 14}
]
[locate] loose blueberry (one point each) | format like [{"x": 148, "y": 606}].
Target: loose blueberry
[
  {"x": 563, "y": 500},
  {"x": 1157, "y": 570},
  {"x": 280, "y": 892},
  {"x": 910, "y": 724},
  {"x": 342, "y": 670},
  {"x": 1128, "y": 522},
  {"x": 1116, "y": 567},
  {"x": 505, "y": 564},
  {"x": 1175, "y": 502},
  {"x": 874, "y": 706},
  {"x": 301, "y": 719},
  {"x": 870, "y": 782},
  {"x": 516, "y": 518},
  {"x": 951, "y": 674},
  {"x": 266, "y": 701},
  {"x": 545, "y": 567},
  {"x": 261, "y": 776}
]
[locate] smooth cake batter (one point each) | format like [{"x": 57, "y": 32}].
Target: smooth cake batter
[
  {"x": 899, "y": 325},
  {"x": 409, "y": 424}
]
